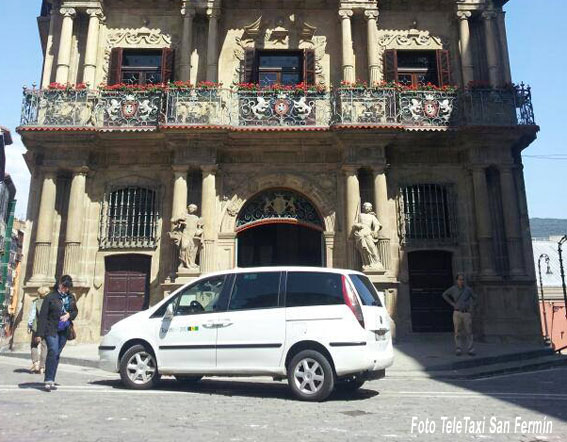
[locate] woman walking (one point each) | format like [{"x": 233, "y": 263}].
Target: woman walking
[
  {"x": 57, "y": 311},
  {"x": 37, "y": 344}
]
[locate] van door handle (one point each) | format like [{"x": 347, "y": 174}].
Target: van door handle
[
  {"x": 210, "y": 324},
  {"x": 225, "y": 323}
]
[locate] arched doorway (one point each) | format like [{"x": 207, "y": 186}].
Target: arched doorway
[{"x": 279, "y": 227}]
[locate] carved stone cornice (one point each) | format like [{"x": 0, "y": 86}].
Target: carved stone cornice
[
  {"x": 68, "y": 12},
  {"x": 371, "y": 14},
  {"x": 345, "y": 14},
  {"x": 464, "y": 15}
]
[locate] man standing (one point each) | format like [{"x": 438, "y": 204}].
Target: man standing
[{"x": 462, "y": 298}]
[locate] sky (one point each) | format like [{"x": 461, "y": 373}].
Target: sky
[{"x": 536, "y": 36}]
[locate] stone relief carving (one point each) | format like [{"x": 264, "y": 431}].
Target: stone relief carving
[
  {"x": 260, "y": 34},
  {"x": 407, "y": 39},
  {"x": 187, "y": 235},
  {"x": 366, "y": 234},
  {"x": 143, "y": 37}
]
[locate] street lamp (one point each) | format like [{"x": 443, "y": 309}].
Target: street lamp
[
  {"x": 559, "y": 244},
  {"x": 544, "y": 256}
]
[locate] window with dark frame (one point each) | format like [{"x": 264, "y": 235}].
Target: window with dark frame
[
  {"x": 417, "y": 67},
  {"x": 428, "y": 212},
  {"x": 140, "y": 66},
  {"x": 286, "y": 67},
  {"x": 130, "y": 218}
]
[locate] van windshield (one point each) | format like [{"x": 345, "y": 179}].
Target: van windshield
[{"x": 366, "y": 290}]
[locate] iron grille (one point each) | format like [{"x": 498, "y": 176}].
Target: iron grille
[
  {"x": 428, "y": 213},
  {"x": 130, "y": 218}
]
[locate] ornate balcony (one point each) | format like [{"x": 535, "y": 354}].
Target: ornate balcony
[{"x": 223, "y": 108}]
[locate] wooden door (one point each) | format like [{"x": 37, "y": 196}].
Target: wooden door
[
  {"x": 126, "y": 287},
  {"x": 430, "y": 274}
]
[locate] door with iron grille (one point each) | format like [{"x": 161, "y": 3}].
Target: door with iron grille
[
  {"x": 430, "y": 274},
  {"x": 126, "y": 287}
]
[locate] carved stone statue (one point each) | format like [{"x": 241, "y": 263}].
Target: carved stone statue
[
  {"x": 187, "y": 235},
  {"x": 365, "y": 233}
]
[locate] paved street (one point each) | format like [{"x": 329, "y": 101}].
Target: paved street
[{"x": 90, "y": 405}]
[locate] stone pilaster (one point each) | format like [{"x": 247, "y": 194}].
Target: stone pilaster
[
  {"x": 382, "y": 212},
  {"x": 212, "y": 45},
  {"x": 348, "y": 56},
  {"x": 505, "y": 56},
  {"x": 46, "y": 215},
  {"x": 186, "y": 42},
  {"x": 352, "y": 210},
  {"x": 511, "y": 220},
  {"x": 180, "y": 191},
  {"x": 89, "y": 74},
  {"x": 208, "y": 207},
  {"x": 75, "y": 222},
  {"x": 373, "y": 59},
  {"x": 467, "y": 66},
  {"x": 483, "y": 221},
  {"x": 48, "y": 60},
  {"x": 491, "y": 48},
  {"x": 65, "y": 40},
  {"x": 329, "y": 248}
]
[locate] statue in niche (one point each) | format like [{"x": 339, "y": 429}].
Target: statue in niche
[
  {"x": 187, "y": 235},
  {"x": 366, "y": 233}
]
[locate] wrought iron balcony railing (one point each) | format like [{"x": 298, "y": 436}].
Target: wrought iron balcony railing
[{"x": 255, "y": 109}]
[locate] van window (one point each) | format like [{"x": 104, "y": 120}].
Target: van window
[
  {"x": 255, "y": 290},
  {"x": 365, "y": 290},
  {"x": 313, "y": 288}
]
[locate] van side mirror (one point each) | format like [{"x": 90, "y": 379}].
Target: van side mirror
[{"x": 168, "y": 312}]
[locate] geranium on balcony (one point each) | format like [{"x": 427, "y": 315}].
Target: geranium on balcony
[
  {"x": 300, "y": 88},
  {"x": 66, "y": 87}
]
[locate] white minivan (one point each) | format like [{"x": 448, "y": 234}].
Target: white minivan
[{"x": 317, "y": 327}]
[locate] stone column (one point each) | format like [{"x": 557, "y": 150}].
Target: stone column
[
  {"x": 208, "y": 207},
  {"x": 352, "y": 210},
  {"x": 329, "y": 238},
  {"x": 511, "y": 220},
  {"x": 46, "y": 215},
  {"x": 75, "y": 222},
  {"x": 179, "y": 205},
  {"x": 48, "y": 60},
  {"x": 373, "y": 59},
  {"x": 186, "y": 43},
  {"x": 501, "y": 24},
  {"x": 89, "y": 74},
  {"x": 465, "y": 45},
  {"x": 483, "y": 221},
  {"x": 348, "y": 56},
  {"x": 491, "y": 48},
  {"x": 381, "y": 209},
  {"x": 65, "y": 40},
  {"x": 212, "y": 45}
]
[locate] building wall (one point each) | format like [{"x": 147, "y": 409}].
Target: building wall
[{"x": 313, "y": 164}]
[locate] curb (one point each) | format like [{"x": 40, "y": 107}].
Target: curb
[{"x": 62, "y": 360}]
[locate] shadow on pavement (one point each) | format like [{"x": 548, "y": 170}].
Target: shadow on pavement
[
  {"x": 32, "y": 385},
  {"x": 262, "y": 390}
]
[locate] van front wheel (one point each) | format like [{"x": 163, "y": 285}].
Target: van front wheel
[
  {"x": 310, "y": 376},
  {"x": 138, "y": 368}
]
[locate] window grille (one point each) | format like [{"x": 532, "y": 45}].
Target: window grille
[
  {"x": 428, "y": 213},
  {"x": 129, "y": 218}
]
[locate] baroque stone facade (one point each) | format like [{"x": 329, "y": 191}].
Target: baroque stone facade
[{"x": 113, "y": 170}]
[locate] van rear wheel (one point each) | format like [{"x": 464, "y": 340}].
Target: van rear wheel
[
  {"x": 138, "y": 368},
  {"x": 310, "y": 376}
]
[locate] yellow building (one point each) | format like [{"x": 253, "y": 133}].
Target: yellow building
[{"x": 279, "y": 120}]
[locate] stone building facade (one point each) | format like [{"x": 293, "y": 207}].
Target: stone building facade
[{"x": 279, "y": 174}]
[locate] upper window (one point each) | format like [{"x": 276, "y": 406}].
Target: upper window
[
  {"x": 255, "y": 290},
  {"x": 313, "y": 288},
  {"x": 417, "y": 68},
  {"x": 129, "y": 218},
  {"x": 135, "y": 66},
  {"x": 428, "y": 212},
  {"x": 279, "y": 67}
]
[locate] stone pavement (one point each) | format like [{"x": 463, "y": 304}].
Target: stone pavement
[{"x": 418, "y": 355}]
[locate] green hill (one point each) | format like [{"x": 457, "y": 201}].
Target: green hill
[{"x": 544, "y": 227}]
